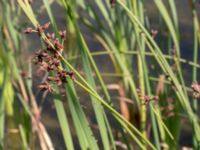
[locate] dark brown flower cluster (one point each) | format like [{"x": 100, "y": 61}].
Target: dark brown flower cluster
[
  {"x": 48, "y": 59},
  {"x": 146, "y": 99},
  {"x": 196, "y": 90}
]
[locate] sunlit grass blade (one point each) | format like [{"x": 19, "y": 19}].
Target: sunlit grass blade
[
  {"x": 83, "y": 130},
  {"x": 10, "y": 25},
  {"x": 29, "y": 12},
  {"x": 174, "y": 14},
  {"x": 62, "y": 118},
  {"x": 169, "y": 22},
  {"x": 50, "y": 14},
  {"x": 99, "y": 113},
  {"x": 2, "y": 110},
  {"x": 23, "y": 137}
]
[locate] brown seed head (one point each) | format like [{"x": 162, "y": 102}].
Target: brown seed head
[
  {"x": 58, "y": 45},
  {"x": 63, "y": 34},
  {"x": 46, "y": 26},
  {"x": 56, "y": 79},
  {"x": 40, "y": 55},
  {"x": 50, "y": 36},
  {"x": 62, "y": 74},
  {"x": 28, "y": 30},
  {"x": 45, "y": 86},
  {"x": 195, "y": 87},
  {"x": 71, "y": 75},
  {"x": 40, "y": 30}
]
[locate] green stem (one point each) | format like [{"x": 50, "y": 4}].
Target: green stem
[{"x": 118, "y": 116}]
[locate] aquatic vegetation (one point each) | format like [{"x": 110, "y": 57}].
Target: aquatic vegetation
[{"x": 116, "y": 77}]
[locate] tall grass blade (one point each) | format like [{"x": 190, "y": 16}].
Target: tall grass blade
[
  {"x": 63, "y": 121},
  {"x": 83, "y": 130}
]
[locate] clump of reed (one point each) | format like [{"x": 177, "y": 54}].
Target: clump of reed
[{"x": 152, "y": 96}]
